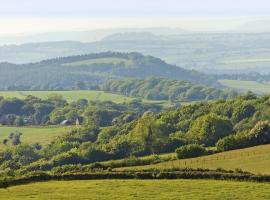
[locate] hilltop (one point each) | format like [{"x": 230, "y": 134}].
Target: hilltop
[{"x": 90, "y": 70}]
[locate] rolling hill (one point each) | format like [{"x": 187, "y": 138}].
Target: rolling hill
[
  {"x": 88, "y": 71},
  {"x": 207, "y": 52}
]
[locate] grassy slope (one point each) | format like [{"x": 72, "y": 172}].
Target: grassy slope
[
  {"x": 42, "y": 135},
  {"x": 255, "y": 159},
  {"x": 77, "y": 94},
  {"x": 139, "y": 189},
  {"x": 258, "y": 88}
]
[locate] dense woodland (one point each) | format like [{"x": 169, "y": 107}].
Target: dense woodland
[
  {"x": 165, "y": 89},
  {"x": 191, "y": 130},
  {"x": 54, "y": 110}
]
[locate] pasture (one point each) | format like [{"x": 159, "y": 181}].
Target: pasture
[
  {"x": 138, "y": 189},
  {"x": 244, "y": 86},
  {"x": 254, "y": 159},
  {"x": 31, "y": 135}
]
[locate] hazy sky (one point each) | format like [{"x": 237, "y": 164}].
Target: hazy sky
[
  {"x": 101, "y": 8},
  {"x": 29, "y": 16}
]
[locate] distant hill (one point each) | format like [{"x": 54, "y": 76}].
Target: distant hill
[
  {"x": 83, "y": 36},
  {"x": 88, "y": 71},
  {"x": 210, "y": 53},
  {"x": 135, "y": 36}
]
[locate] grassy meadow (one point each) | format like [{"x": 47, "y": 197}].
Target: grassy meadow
[
  {"x": 254, "y": 159},
  {"x": 91, "y": 95},
  {"x": 244, "y": 86},
  {"x": 139, "y": 189},
  {"x": 42, "y": 135}
]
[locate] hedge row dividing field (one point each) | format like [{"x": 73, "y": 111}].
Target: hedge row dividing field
[{"x": 151, "y": 174}]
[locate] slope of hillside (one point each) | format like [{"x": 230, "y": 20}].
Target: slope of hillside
[
  {"x": 88, "y": 71},
  {"x": 254, "y": 159}
]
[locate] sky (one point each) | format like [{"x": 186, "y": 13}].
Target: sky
[{"x": 31, "y": 16}]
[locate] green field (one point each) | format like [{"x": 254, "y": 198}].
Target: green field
[
  {"x": 42, "y": 135},
  {"x": 91, "y": 95},
  {"x": 109, "y": 60},
  {"x": 70, "y": 95},
  {"x": 244, "y": 86},
  {"x": 139, "y": 189},
  {"x": 255, "y": 160}
]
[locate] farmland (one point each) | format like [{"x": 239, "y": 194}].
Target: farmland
[
  {"x": 255, "y": 160},
  {"x": 42, "y": 135},
  {"x": 70, "y": 95},
  {"x": 244, "y": 86},
  {"x": 139, "y": 189}
]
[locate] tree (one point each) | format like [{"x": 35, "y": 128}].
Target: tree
[
  {"x": 19, "y": 121},
  {"x": 16, "y": 140},
  {"x": 149, "y": 134},
  {"x": 5, "y": 141},
  {"x": 80, "y": 85},
  {"x": 242, "y": 112},
  {"x": 208, "y": 129}
]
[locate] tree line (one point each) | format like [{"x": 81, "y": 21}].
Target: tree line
[{"x": 165, "y": 89}]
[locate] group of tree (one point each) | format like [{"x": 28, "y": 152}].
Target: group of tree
[
  {"x": 55, "y": 109},
  {"x": 165, "y": 89}
]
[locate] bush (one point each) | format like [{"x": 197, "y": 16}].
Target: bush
[
  {"x": 260, "y": 134},
  {"x": 190, "y": 151}
]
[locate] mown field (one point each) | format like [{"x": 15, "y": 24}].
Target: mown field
[
  {"x": 91, "y": 95},
  {"x": 244, "y": 86},
  {"x": 139, "y": 189},
  {"x": 42, "y": 135},
  {"x": 255, "y": 160}
]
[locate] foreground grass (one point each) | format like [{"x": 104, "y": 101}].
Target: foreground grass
[
  {"x": 139, "y": 189},
  {"x": 244, "y": 86},
  {"x": 255, "y": 160},
  {"x": 42, "y": 135}
]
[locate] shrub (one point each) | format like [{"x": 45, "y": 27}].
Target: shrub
[{"x": 189, "y": 151}]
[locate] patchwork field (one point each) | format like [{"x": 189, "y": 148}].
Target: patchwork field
[
  {"x": 42, "y": 135},
  {"x": 139, "y": 189},
  {"x": 255, "y": 160},
  {"x": 244, "y": 86}
]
